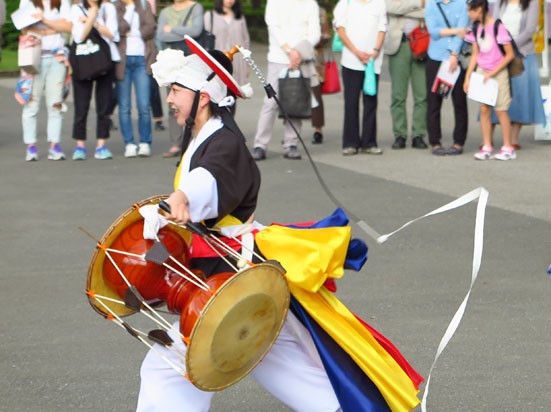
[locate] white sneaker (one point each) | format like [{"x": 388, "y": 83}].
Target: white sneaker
[
  {"x": 55, "y": 153},
  {"x": 144, "y": 150},
  {"x": 131, "y": 150},
  {"x": 32, "y": 153},
  {"x": 506, "y": 153},
  {"x": 484, "y": 154}
]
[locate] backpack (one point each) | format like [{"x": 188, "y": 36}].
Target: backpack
[{"x": 516, "y": 66}]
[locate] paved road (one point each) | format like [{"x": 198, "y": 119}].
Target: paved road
[{"x": 58, "y": 355}]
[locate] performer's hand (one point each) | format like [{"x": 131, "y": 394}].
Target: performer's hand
[
  {"x": 167, "y": 28},
  {"x": 178, "y": 202}
]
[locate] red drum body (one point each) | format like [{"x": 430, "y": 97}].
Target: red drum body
[{"x": 228, "y": 328}]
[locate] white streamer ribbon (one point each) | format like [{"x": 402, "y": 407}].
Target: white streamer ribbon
[{"x": 482, "y": 195}]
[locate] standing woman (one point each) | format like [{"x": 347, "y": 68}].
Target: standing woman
[
  {"x": 520, "y": 17},
  {"x": 184, "y": 17},
  {"x": 447, "y": 21},
  {"x": 84, "y": 18},
  {"x": 361, "y": 25},
  {"x": 138, "y": 51},
  {"x": 228, "y": 24},
  {"x": 54, "y": 18}
]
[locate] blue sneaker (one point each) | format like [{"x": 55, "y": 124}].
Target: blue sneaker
[
  {"x": 55, "y": 153},
  {"x": 103, "y": 153},
  {"x": 32, "y": 153},
  {"x": 79, "y": 153}
]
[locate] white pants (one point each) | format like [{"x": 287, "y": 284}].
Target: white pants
[
  {"x": 291, "y": 371},
  {"x": 269, "y": 112}
]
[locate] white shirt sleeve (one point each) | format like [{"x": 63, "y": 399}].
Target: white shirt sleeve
[
  {"x": 110, "y": 19},
  {"x": 78, "y": 26},
  {"x": 201, "y": 189},
  {"x": 65, "y": 10},
  {"x": 339, "y": 14},
  {"x": 314, "y": 25},
  {"x": 383, "y": 19},
  {"x": 272, "y": 18}
]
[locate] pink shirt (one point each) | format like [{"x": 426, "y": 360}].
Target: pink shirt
[{"x": 489, "y": 55}]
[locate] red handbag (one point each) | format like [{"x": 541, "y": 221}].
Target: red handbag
[
  {"x": 419, "y": 40},
  {"x": 332, "y": 82}
]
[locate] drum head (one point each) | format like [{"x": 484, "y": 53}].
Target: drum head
[
  {"x": 94, "y": 279},
  {"x": 237, "y": 327}
]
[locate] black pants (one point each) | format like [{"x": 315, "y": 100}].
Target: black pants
[
  {"x": 155, "y": 99},
  {"x": 353, "y": 87},
  {"x": 82, "y": 90},
  {"x": 434, "y": 105},
  {"x": 113, "y": 101}
]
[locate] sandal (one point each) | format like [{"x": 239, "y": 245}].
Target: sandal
[
  {"x": 172, "y": 153},
  {"x": 454, "y": 150},
  {"x": 438, "y": 151}
]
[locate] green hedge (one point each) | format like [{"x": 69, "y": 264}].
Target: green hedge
[{"x": 10, "y": 34}]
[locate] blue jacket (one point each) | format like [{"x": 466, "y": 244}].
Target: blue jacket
[{"x": 456, "y": 13}]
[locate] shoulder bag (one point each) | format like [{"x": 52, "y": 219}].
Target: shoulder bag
[
  {"x": 29, "y": 53},
  {"x": 91, "y": 58},
  {"x": 295, "y": 96},
  {"x": 332, "y": 82},
  {"x": 205, "y": 39},
  {"x": 419, "y": 41}
]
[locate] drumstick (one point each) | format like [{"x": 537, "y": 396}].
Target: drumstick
[
  {"x": 196, "y": 228},
  {"x": 200, "y": 230}
]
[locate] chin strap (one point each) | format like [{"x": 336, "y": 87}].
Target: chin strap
[{"x": 190, "y": 121}]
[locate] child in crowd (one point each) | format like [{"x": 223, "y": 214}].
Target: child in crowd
[{"x": 489, "y": 61}]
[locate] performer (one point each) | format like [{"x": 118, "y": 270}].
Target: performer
[
  {"x": 324, "y": 359},
  {"x": 217, "y": 177}
]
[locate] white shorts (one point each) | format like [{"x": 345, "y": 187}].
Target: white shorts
[{"x": 291, "y": 371}]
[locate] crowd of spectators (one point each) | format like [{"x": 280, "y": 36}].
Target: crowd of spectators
[{"x": 299, "y": 34}]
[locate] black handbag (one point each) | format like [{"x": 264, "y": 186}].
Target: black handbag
[
  {"x": 91, "y": 58},
  {"x": 295, "y": 96},
  {"x": 206, "y": 39}
]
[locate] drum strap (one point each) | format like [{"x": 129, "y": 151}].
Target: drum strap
[{"x": 248, "y": 243}]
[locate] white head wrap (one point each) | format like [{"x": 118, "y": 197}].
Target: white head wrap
[{"x": 189, "y": 71}]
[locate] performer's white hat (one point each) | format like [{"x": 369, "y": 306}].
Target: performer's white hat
[{"x": 199, "y": 71}]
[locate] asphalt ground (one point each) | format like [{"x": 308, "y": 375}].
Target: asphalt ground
[{"x": 57, "y": 354}]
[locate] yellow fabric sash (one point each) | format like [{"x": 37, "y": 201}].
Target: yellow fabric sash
[
  {"x": 310, "y": 256},
  {"x": 177, "y": 175}
]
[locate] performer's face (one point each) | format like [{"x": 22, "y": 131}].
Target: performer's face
[{"x": 180, "y": 100}]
